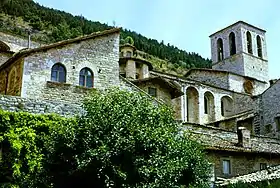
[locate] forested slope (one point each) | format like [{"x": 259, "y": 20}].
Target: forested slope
[{"x": 50, "y": 25}]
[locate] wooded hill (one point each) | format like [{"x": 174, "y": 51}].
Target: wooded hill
[{"x": 50, "y": 25}]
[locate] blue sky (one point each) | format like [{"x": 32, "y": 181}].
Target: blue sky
[{"x": 183, "y": 23}]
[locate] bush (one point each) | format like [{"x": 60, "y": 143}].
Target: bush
[{"x": 123, "y": 140}]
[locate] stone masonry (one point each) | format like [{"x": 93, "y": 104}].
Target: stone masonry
[{"x": 100, "y": 55}]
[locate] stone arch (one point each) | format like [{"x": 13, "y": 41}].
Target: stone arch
[
  {"x": 209, "y": 105},
  {"x": 232, "y": 45},
  {"x": 226, "y": 106},
  {"x": 249, "y": 42},
  {"x": 220, "y": 50},
  {"x": 4, "y": 47},
  {"x": 192, "y": 105},
  {"x": 259, "y": 46}
]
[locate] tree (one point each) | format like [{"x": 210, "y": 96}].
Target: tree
[
  {"x": 125, "y": 140},
  {"x": 129, "y": 40}
]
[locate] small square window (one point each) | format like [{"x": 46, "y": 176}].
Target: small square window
[
  {"x": 263, "y": 166},
  {"x": 226, "y": 167},
  {"x": 152, "y": 91}
]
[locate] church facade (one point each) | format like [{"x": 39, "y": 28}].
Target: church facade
[{"x": 232, "y": 109}]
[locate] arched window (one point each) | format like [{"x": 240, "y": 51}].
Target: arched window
[
  {"x": 209, "y": 107},
  {"x": 58, "y": 73},
  {"x": 192, "y": 97},
  {"x": 249, "y": 42},
  {"x": 86, "y": 78},
  {"x": 206, "y": 105},
  {"x": 226, "y": 106},
  {"x": 220, "y": 50},
  {"x": 232, "y": 46},
  {"x": 259, "y": 45}
]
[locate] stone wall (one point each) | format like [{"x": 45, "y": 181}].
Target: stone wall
[
  {"x": 212, "y": 77},
  {"x": 221, "y": 144},
  {"x": 162, "y": 93},
  {"x": 233, "y": 64},
  {"x": 270, "y": 109},
  {"x": 101, "y": 55},
  {"x": 241, "y": 163},
  {"x": 39, "y": 106},
  {"x": 17, "y": 43}
]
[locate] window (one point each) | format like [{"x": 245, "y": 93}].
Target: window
[
  {"x": 226, "y": 167},
  {"x": 206, "y": 105},
  {"x": 259, "y": 46},
  {"x": 232, "y": 46},
  {"x": 128, "y": 54},
  {"x": 277, "y": 122},
  {"x": 220, "y": 51},
  {"x": 121, "y": 54},
  {"x": 249, "y": 42},
  {"x": 58, "y": 73},
  {"x": 263, "y": 166},
  {"x": 222, "y": 108},
  {"x": 152, "y": 91},
  {"x": 226, "y": 106},
  {"x": 86, "y": 78}
]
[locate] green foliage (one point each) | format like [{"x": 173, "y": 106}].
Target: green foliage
[
  {"x": 26, "y": 141},
  {"x": 136, "y": 144},
  {"x": 129, "y": 40},
  {"x": 123, "y": 140},
  {"x": 55, "y": 25}
]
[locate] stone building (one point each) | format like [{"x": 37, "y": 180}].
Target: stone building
[
  {"x": 232, "y": 109},
  {"x": 64, "y": 70}
]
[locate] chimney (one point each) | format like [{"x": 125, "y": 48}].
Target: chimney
[{"x": 244, "y": 139}]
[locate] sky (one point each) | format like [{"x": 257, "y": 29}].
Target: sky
[{"x": 183, "y": 23}]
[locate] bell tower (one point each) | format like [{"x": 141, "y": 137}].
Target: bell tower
[{"x": 240, "y": 48}]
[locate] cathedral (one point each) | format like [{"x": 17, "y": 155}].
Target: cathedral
[{"x": 232, "y": 109}]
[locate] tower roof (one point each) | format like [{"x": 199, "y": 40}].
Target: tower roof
[{"x": 239, "y": 22}]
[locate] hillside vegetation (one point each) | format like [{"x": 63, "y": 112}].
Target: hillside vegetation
[{"x": 50, "y": 25}]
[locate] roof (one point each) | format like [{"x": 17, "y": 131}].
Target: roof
[
  {"x": 239, "y": 117},
  {"x": 173, "y": 87},
  {"x": 128, "y": 45},
  {"x": 220, "y": 71},
  {"x": 137, "y": 59},
  {"x": 271, "y": 173},
  {"x": 213, "y": 138},
  {"x": 239, "y": 22},
  {"x": 26, "y": 52},
  {"x": 184, "y": 79}
]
